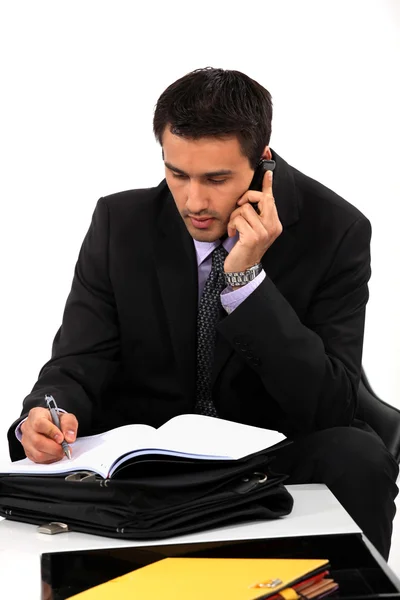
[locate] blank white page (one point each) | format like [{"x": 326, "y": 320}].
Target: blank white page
[{"x": 209, "y": 436}]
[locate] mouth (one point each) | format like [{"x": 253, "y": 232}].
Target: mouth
[{"x": 201, "y": 222}]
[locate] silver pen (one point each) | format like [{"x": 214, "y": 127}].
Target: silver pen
[{"x": 53, "y": 408}]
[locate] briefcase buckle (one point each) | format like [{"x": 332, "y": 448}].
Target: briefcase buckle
[
  {"x": 249, "y": 483},
  {"x": 53, "y": 527},
  {"x": 81, "y": 476}
]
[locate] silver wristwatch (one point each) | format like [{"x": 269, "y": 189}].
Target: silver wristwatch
[{"x": 239, "y": 278}]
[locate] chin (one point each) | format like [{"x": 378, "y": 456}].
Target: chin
[
  {"x": 207, "y": 235},
  {"x": 204, "y": 237}
]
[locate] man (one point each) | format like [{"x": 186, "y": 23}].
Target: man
[{"x": 142, "y": 337}]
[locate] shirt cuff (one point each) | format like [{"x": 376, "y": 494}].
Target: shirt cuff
[
  {"x": 231, "y": 299},
  {"x": 18, "y": 432}
]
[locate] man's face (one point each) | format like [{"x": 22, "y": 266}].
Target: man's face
[{"x": 206, "y": 178}]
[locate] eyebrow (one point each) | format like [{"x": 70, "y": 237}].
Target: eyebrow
[{"x": 208, "y": 174}]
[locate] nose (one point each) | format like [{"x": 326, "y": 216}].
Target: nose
[{"x": 196, "y": 198}]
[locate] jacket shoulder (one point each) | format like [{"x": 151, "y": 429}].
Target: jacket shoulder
[
  {"x": 123, "y": 203},
  {"x": 319, "y": 199}
]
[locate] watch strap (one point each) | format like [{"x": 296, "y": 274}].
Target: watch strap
[{"x": 240, "y": 278}]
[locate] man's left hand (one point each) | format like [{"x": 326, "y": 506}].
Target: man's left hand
[{"x": 257, "y": 232}]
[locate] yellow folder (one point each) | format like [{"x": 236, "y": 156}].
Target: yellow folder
[{"x": 209, "y": 578}]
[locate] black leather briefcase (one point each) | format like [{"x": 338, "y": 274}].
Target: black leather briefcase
[{"x": 153, "y": 498}]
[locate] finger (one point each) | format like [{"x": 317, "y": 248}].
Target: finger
[
  {"x": 41, "y": 443},
  {"x": 260, "y": 203},
  {"x": 69, "y": 426},
  {"x": 251, "y": 196},
  {"x": 246, "y": 205},
  {"x": 47, "y": 428},
  {"x": 231, "y": 230},
  {"x": 241, "y": 225},
  {"x": 254, "y": 196},
  {"x": 231, "y": 227},
  {"x": 40, "y": 449},
  {"x": 267, "y": 183},
  {"x": 250, "y": 202},
  {"x": 253, "y": 219},
  {"x": 42, "y": 457}
]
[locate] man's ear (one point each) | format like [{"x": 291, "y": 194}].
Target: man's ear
[{"x": 267, "y": 154}]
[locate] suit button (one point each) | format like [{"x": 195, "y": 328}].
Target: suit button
[{"x": 240, "y": 344}]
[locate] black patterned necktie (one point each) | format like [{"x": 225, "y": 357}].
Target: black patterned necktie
[{"x": 208, "y": 315}]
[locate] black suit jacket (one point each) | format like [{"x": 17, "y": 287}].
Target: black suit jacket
[{"x": 288, "y": 358}]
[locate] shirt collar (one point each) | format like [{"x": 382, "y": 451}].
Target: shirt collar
[{"x": 204, "y": 249}]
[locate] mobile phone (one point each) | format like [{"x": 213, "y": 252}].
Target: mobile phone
[{"x": 257, "y": 181}]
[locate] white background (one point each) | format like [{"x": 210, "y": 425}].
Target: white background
[{"x": 79, "y": 81}]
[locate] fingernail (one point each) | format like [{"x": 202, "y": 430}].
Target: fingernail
[
  {"x": 71, "y": 434},
  {"x": 58, "y": 438}
]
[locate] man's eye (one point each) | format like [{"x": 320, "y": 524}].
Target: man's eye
[
  {"x": 217, "y": 181},
  {"x": 210, "y": 180}
]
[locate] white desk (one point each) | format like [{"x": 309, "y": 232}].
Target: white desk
[{"x": 316, "y": 512}]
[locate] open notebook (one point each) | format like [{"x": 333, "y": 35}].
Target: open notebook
[{"x": 189, "y": 436}]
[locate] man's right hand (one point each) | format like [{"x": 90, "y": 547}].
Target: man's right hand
[{"x": 42, "y": 440}]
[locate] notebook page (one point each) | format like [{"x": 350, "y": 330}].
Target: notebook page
[
  {"x": 92, "y": 453},
  {"x": 206, "y": 438},
  {"x": 203, "y": 436}
]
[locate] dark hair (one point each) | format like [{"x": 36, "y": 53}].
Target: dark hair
[{"x": 214, "y": 103}]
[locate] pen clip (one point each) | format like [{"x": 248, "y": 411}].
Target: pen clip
[{"x": 51, "y": 403}]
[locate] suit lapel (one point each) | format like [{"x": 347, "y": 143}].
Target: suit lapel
[{"x": 176, "y": 266}]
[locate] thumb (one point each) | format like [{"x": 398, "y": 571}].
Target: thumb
[{"x": 69, "y": 427}]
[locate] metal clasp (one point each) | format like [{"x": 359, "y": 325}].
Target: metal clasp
[
  {"x": 252, "y": 481},
  {"x": 81, "y": 476},
  {"x": 53, "y": 527}
]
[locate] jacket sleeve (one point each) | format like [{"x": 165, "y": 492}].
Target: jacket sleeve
[
  {"x": 310, "y": 368},
  {"x": 85, "y": 350}
]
